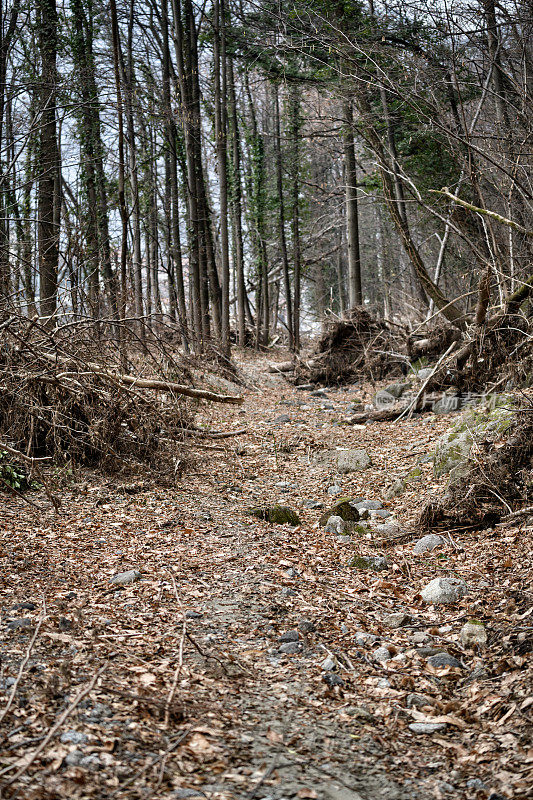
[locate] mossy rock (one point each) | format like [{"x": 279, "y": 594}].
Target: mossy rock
[
  {"x": 277, "y": 515},
  {"x": 344, "y": 509},
  {"x": 375, "y": 563},
  {"x": 475, "y": 425}
]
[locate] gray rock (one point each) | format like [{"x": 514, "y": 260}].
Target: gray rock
[
  {"x": 381, "y": 512},
  {"x": 475, "y": 783},
  {"x": 447, "y": 788},
  {"x": 184, "y": 794},
  {"x": 444, "y": 590},
  {"x": 328, "y": 664},
  {"x": 427, "y": 727},
  {"x": 344, "y": 538},
  {"x": 318, "y": 393},
  {"x": 290, "y": 648},
  {"x": 306, "y": 626},
  {"x": 382, "y": 654},
  {"x": 360, "y": 712},
  {"x": 397, "y": 619},
  {"x": 418, "y": 701},
  {"x": 473, "y": 634},
  {"x": 383, "y": 399},
  {"x": 328, "y": 407},
  {"x": 334, "y": 490},
  {"x": 419, "y": 637},
  {"x": 289, "y": 636},
  {"x": 384, "y": 683},
  {"x": 335, "y": 525},
  {"x": 73, "y": 737},
  {"x": 395, "y": 490},
  {"x": 24, "y": 607},
  {"x": 312, "y": 504},
  {"x": 397, "y": 389},
  {"x": 352, "y": 460},
  {"x": 427, "y": 543},
  {"x": 193, "y": 615},
  {"x": 19, "y": 624},
  {"x": 369, "y": 505},
  {"x": 440, "y": 660},
  {"x": 78, "y": 759},
  {"x": 282, "y": 419},
  {"x": 388, "y": 529},
  {"x": 425, "y": 652},
  {"x": 447, "y": 405},
  {"x": 124, "y": 578},
  {"x": 98, "y": 712}
]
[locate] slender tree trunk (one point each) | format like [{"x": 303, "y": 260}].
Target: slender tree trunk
[
  {"x": 295, "y": 221},
  {"x": 236, "y": 208},
  {"x": 355, "y": 295},
  {"x": 281, "y": 216}
]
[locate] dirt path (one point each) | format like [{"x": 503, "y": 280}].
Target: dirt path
[{"x": 196, "y": 696}]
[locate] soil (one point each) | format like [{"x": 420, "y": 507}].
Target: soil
[{"x": 194, "y": 695}]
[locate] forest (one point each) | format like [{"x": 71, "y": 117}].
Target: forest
[{"x": 266, "y": 399}]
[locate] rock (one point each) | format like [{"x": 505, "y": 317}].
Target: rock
[
  {"x": 335, "y": 525},
  {"x": 331, "y": 679},
  {"x": 328, "y": 664},
  {"x": 425, "y": 652},
  {"x": 475, "y": 425},
  {"x": 312, "y": 504},
  {"x": 352, "y": 460},
  {"x": 73, "y": 737},
  {"x": 24, "y": 607},
  {"x": 475, "y": 783},
  {"x": 387, "y": 529},
  {"x": 364, "y": 639},
  {"x": 290, "y": 648},
  {"x": 383, "y": 399},
  {"x": 397, "y": 619},
  {"x": 444, "y": 590},
  {"x": 334, "y": 490},
  {"x": 427, "y": 727},
  {"x": 395, "y": 490},
  {"x": 376, "y": 563},
  {"x": 382, "y": 513},
  {"x": 98, "y": 712},
  {"x": 318, "y": 393},
  {"x": 473, "y": 634},
  {"x": 344, "y": 509},
  {"x": 427, "y": 543},
  {"x": 419, "y": 637},
  {"x": 193, "y": 615},
  {"x": 369, "y": 505},
  {"x": 19, "y": 624},
  {"x": 306, "y": 626},
  {"x": 184, "y": 794},
  {"x": 418, "y": 701},
  {"x": 289, "y": 636},
  {"x": 282, "y": 419},
  {"x": 277, "y": 515},
  {"x": 383, "y": 683},
  {"x": 382, "y": 654},
  {"x": 78, "y": 759},
  {"x": 124, "y": 578},
  {"x": 441, "y": 660}
]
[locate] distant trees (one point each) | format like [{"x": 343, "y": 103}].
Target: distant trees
[{"x": 238, "y": 169}]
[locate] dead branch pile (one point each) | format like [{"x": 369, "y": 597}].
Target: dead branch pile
[
  {"x": 499, "y": 481},
  {"x": 65, "y": 394},
  {"x": 354, "y": 346}
]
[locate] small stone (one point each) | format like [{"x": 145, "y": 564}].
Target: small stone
[
  {"x": 328, "y": 664},
  {"x": 395, "y": 489},
  {"x": 382, "y": 654},
  {"x": 288, "y": 592},
  {"x": 419, "y": 637},
  {"x": 447, "y": 788},
  {"x": 381, "y": 512},
  {"x": 335, "y": 525},
  {"x": 184, "y": 794},
  {"x": 427, "y": 727},
  {"x": 387, "y": 529},
  {"x": 290, "y": 648},
  {"x": 360, "y": 712},
  {"x": 331, "y": 679},
  {"x": 384, "y": 683},
  {"x": 418, "y": 701},
  {"x": 282, "y": 419},
  {"x": 73, "y": 737},
  {"x": 124, "y": 578},
  {"x": 424, "y": 373},
  {"x": 334, "y": 490},
  {"x": 193, "y": 615},
  {"x": 277, "y": 515},
  {"x": 441, "y": 660},
  {"x": 289, "y": 636},
  {"x": 473, "y": 634},
  {"x": 343, "y": 509},
  {"x": 425, "y": 652},
  {"x": 444, "y": 590},
  {"x": 427, "y": 543},
  {"x": 312, "y": 504},
  {"x": 19, "y": 624},
  {"x": 352, "y": 460},
  {"x": 397, "y": 620},
  {"x": 24, "y": 607},
  {"x": 306, "y": 626}
]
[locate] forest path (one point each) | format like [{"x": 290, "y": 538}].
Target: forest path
[{"x": 196, "y": 697}]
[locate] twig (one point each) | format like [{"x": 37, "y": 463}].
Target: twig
[
  {"x": 28, "y": 761},
  {"x": 21, "y": 669},
  {"x": 520, "y": 512}
]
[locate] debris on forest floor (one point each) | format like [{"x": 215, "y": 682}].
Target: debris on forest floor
[{"x": 249, "y": 659}]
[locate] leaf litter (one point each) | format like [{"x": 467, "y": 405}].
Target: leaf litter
[{"x": 176, "y": 679}]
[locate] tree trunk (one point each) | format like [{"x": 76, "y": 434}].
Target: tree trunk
[
  {"x": 281, "y": 216},
  {"x": 355, "y": 295}
]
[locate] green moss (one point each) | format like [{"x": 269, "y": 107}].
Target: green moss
[
  {"x": 277, "y": 515},
  {"x": 343, "y": 509},
  {"x": 475, "y": 622}
]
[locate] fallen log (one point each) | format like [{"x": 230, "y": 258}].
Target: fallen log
[{"x": 394, "y": 412}]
